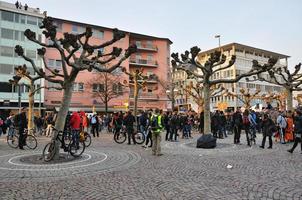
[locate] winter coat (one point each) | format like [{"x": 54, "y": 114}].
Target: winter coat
[
  {"x": 298, "y": 126},
  {"x": 268, "y": 127},
  {"x": 75, "y": 121}
]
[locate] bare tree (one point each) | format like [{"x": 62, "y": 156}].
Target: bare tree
[
  {"x": 106, "y": 86},
  {"x": 22, "y": 73},
  {"x": 77, "y": 54},
  {"x": 138, "y": 81},
  {"x": 196, "y": 92},
  {"x": 279, "y": 97},
  {"x": 291, "y": 81},
  {"x": 190, "y": 64},
  {"x": 170, "y": 88},
  {"x": 245, "y": 96}
]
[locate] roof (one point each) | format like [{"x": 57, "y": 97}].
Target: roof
[
  {"x": 107, "y": 28},
  {"x": 237, "y": 45}
]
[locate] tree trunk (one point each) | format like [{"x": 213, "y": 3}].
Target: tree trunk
[
  {"x": 106, "y": 104},
  {"x": 289, "y": 99},
  {"x": 207, "y": 111},
  {"x": 61, "y": 116},
  {"x": 135, "y": 99},
  {"x": 31, "y": 97}
]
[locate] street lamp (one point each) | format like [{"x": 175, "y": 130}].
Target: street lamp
[{"x": 218, "y": 36}]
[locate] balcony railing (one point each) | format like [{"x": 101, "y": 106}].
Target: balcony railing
[
  {"x": 146, "y": 96},
  {"x": 142, "y": 62},
  {"x": 146, "y": 47}
]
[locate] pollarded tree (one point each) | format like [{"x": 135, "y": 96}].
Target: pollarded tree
[
  {"x": 196, "y": 92},
  {"x": 245, "y": 96},
  {"x": 203, "y": 73},
  {"x": 77, "y": 55},
  {"x": 22, "y": 73},
  {"x": 291, "y": 81}
]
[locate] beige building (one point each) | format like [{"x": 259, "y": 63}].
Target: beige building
[{"x": 244, "y": 57}]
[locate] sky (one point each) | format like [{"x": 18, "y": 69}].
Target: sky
[{"x": 274, "y": 25}]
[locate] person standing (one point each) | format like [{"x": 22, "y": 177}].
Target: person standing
[
  {"x": 268, "y": 128},
  {"x": 75, "y": 125},
  {"x": 281, "y": 123},
  {"x": 94, "y": 121},
  {"x": 21, "y": 123},
  {"x": 129, "y": 122},
  {"x": 10, "y": 124},
  {"x": 166, "y": 120},
  {"x": 297, "y": 131},
  {"x": 156, "y": 127},
  {"x": 237, "y": 122},
  {"x": 85, "y": 122},
  {"x": 289, "y": 136},
  {"x": 174, "y": 122},
  {"x": 246, "y": 125}
]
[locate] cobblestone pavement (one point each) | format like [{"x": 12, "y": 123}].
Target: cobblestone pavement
[{"x": 119, "y": 171}]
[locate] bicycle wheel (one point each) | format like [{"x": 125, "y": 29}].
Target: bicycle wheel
[
  {"x": 49, "y": 151},
  {"x": 87, "y": 139},
  {"x": 139, "y": 138},
  {"x": 120, "y": 137},
  {"x": 31, "y": 142},
  {"x": 14, "y": 142},
  {"x": 76, "y": 150}
]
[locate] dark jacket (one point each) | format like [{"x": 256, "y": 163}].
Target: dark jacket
[
  {"x": 174, "y": 121},
  {"x": 268, "y": 127},
  {"x": 298, "y": 125},
  {"x": 129, "y": 121},
  {"x": 237, "y": 119}
]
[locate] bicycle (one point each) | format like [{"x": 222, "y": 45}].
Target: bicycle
[
  {"x": 30, "y": 140},
  {"x": 75, "y": 148},
  {"x": 121, "y": 136},
  {"x": 86, "y": 138}
]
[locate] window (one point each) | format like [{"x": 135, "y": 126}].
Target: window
[
  {"x": 101, "y": 88},
  {"x": 7, "y": 16},
  {"x": 78, "y": 87},
  {"x": 32, "y": 20},
  {"x": 7, "y": 51},
  {"x": 31, "y": 70},
  {"x": 40, "y": 22},
  {"x": 138, "y": 43},
  {"x": 7, "y": 33},
  {"x": 5, "y": 87},
  {"x": 58, "y": 64},
  {"x": 117, "y": 88},
  {"x": 98, "y": 34},
  {"x": 50, "y": 84},
  {"x": 31, "y": 54},
  {"x": 6, "y": 69},
  {"x": 74, "y": 29},
  {"x": 17, "y": 18},
  {"x": 94, "y": 87},
  {"x": 149, "y": 44},
  {"x": 149, "y": 57},
  {"x": 22, "y": 36},
  {"x": 51, "y": 63},
  {"x": 22, "y": 19}
]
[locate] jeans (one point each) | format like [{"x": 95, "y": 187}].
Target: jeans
[
  {"x": 269, "y": 139},
  {"x": 237, "y": 132},
  {"x": 76, "y": 136},
  {"x": 173, "y": 132},
  {"x": 297, "y": 140},
  {"x": 168, "y": 133},
  {"x": 11, "y": 132}
]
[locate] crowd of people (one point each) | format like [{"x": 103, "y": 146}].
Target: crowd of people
[{"x": 284, "y": 126}]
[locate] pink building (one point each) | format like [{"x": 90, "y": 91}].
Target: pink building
[{"x": 153, "y": 56}]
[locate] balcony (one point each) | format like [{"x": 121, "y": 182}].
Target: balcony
[
  {"x": 146, "y": 96},
  {"x": 147, "y": 47},
  {"x": 142, "y": 62}
]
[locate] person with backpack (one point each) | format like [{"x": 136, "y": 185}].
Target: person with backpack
[
  {"x": 237, "y": 124},
  {"x": 156, "y": 128},
  {"x": 281, "y": 124},
  {"x": 268, "y": 127},
  {"x": 297, "y": 130},
  {"x": 246, "y": 125},
  {"x": 94, "y": 121}
]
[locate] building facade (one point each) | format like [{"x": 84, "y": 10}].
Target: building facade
[
  {"x": 13, "y": 22},
  {"x": 152, "y": 56},
  {"x": 244, "y": 57}
]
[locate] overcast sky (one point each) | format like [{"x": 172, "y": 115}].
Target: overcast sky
[{"x": 274, "y": 25}]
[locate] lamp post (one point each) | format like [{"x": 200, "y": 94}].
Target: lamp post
[{"x": 218, "y": 36}]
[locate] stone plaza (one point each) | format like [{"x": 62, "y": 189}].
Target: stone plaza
[{"x": 119, "y": 171}]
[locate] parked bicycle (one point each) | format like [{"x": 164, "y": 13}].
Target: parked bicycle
[
  {"x": 75, "y": 148},
  {"x": 121, "y": 136},
  {"x": 13, "y": 139}
]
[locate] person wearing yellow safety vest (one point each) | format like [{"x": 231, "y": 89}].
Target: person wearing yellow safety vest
[{"x": 156, "y": 127}]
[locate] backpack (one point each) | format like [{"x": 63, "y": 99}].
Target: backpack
[
  {"x": 245, "y": 120},
  {"x": 93, "y": 120},
  {"x": 154, "y": 123}
]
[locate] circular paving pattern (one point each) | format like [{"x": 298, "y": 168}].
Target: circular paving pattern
[{"x": 90, "y": 162}]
